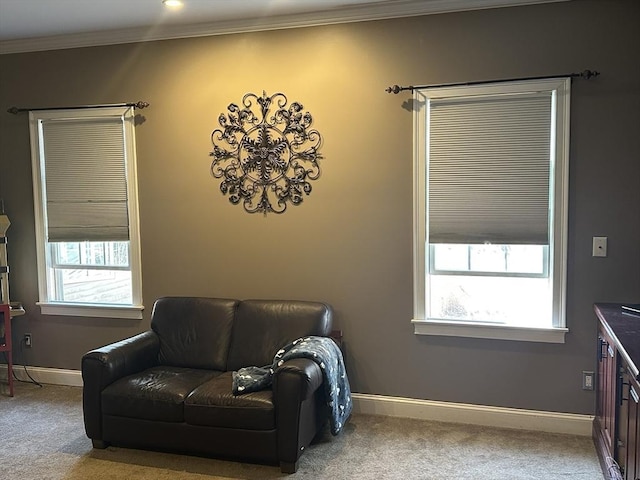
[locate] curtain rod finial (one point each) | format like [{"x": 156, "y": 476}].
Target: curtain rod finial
[
  {"x": 587, "y": 74},
  {"x": 13, "y": 110},
  {"x": 141, "y": 105},
  {"x": 395, "y": 89}
]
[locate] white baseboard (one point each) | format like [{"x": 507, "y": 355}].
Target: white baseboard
[
  {"x": 554, "y": 422},
  {"x": 53, "y": 376}
]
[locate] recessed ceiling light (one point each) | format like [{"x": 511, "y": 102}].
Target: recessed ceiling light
[{"x": 172, "y": 3}]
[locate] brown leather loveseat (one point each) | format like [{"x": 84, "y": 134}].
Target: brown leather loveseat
[{"x": 170, "y": 388}]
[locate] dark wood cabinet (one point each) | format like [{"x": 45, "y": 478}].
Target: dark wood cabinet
[
  {"x": 631, "y": 435},
  {"x": 606, "y": 394},
  {"x": 616, "y": 427}
]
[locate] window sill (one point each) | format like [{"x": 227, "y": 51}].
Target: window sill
[
  {"x": 86, "y": 310},
  {"x": 488, "y": 330}
]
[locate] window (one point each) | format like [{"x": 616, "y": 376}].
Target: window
[
  {"x": 491, "y": 173},
  {"x": 86, "y": 210}
]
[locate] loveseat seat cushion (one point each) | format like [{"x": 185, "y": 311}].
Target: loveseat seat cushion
[
  {"x": 194, "y": 332},
  {"x": 213, "y": 404},
  {"x": 157, "y": 393}
]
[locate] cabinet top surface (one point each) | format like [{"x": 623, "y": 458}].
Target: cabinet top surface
[{"x": 625, "y": 329}]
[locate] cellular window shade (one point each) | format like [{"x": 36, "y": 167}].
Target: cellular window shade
[
  {"x": 86, "y": 182},
  {"x": 488, "y": 169}
]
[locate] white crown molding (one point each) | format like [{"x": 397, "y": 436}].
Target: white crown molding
[
  {"x": 357, "y": 13},
  {"x": 500, "y": 417}
]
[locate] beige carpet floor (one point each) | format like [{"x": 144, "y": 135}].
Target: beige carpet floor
[{"x": 42, "y": 437}]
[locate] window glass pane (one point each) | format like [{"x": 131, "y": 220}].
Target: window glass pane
[
  {"x": 118, "y": 254},
  {"x": 94, "y": 253},
  {"x": 108, "y": 254},
  {"x": 451, "y": 257},
  {"x": 93, "y": 286},
  {"x": 526, "y": 258},
  {"x": 518, "y": 301},
  {"x": 69, "y": 253},
  {"x": 488, "y": 258},
  {"x": 99, "y": 282},
  {"x": 507, "y": 259}
]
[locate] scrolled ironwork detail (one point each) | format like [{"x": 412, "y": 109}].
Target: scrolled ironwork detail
[{"x": 266, "y": 153}]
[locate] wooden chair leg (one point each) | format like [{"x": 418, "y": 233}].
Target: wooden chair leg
[
  {"x": 10, "y": 371},
  {"x": 7, "y": 348}
]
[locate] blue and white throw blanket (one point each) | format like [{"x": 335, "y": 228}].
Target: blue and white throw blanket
[{"x": 326, "y": 354}]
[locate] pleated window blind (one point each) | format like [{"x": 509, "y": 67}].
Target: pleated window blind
[
  {"x": 86, "y": 179},
  {"x": 489, "y": 169}
]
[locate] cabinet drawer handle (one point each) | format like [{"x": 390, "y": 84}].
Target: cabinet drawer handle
[
  {"x": 601, "y": 353},
  {"x": 634, "y": 394}
]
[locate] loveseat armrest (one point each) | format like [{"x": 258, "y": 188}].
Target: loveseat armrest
[
  {"x": 296, "y": 388},
  {"x": 300, "y": 374},
  {"x": 105, "y": 365}
]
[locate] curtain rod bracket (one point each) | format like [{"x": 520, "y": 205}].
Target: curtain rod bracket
[
  {"x": 585, "y": 74},
  {"x": 140, "y": 105}
]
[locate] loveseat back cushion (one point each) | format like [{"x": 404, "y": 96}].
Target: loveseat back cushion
[
  {"x": 262, "y": 327},
  {"x": 194, "y": 332}
]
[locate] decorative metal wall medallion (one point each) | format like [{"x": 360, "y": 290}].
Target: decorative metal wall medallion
[{"x": 265, "y": 160}]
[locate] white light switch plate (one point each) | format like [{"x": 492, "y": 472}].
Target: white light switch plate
[{"x": 599, "y": 246}]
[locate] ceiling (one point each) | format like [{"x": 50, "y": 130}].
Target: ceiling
[{"x": 28, "y": 25}]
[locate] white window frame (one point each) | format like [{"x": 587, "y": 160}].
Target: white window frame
[
  {"x": 560, "y": 88},
  {"x": 43, "y": 252}
]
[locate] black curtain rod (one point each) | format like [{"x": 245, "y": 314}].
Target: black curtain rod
[
  {"x": 140, "y": 105},
  {"x": 586, "y": 74}
]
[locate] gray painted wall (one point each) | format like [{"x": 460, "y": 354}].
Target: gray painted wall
[{"x": 350, "y": 242}]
